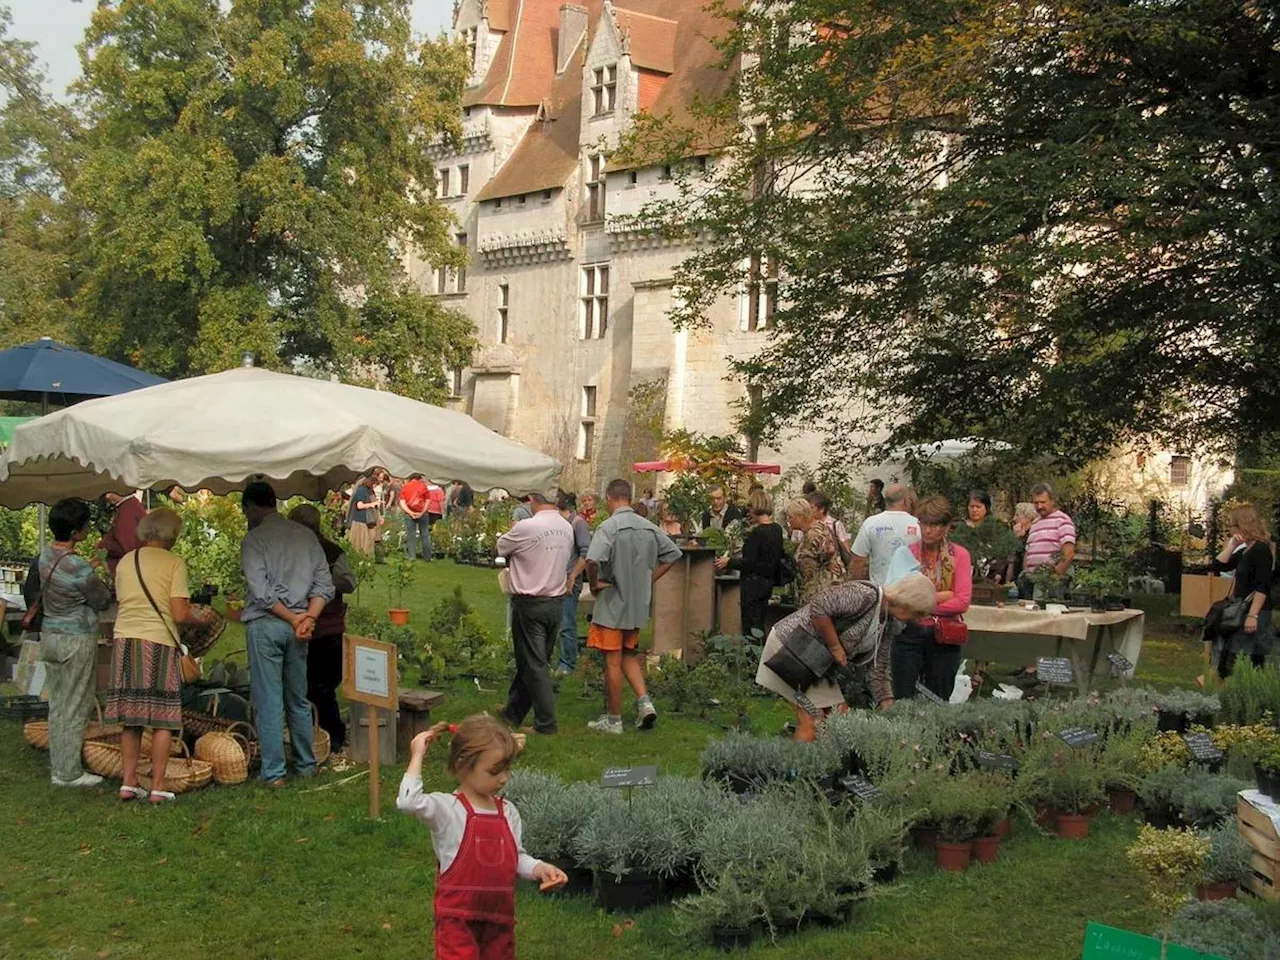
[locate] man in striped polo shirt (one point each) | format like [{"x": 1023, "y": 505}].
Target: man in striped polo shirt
[{"x": 1052, "y": 536}]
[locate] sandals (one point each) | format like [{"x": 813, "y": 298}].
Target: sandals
[
  {"x": 128, "y": 793},
  {"x": 162, "y": 796}
]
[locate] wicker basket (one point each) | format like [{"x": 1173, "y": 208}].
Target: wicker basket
[
  {"x": 321, "y": 742},
  {"x": 182, "y": 773},
  {"x": 24, "y": 708},
  {"x": 198, "y": 724},
  {"x": 200, "y": 637},
  {"x": 104, "y": 758},
  {"x": 37, "y": 733},
  {"x": 228, "y": 752},
  {"x": 97, "y": 730}
]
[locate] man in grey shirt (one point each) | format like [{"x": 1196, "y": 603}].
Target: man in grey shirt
[
  {"x": 628, "y": 554},
  {"x": 287, "y": 585}
]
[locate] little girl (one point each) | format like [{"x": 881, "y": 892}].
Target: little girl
[{"x": 477, "y": 841}]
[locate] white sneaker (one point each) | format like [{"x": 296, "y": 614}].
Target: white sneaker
[
  {"x": 606, "y": 725},
  {"x": 646, "y": 715},
  {"x": 84, "y": 780}
]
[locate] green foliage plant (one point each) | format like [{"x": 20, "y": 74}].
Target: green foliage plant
[
  {"x": 1223, "y": 928},
  {"x": 1250, "y": 692},
  {"x": 1171, "y": 861},
  {"x": 1229, "y": 856},
  {"x": 967, "y": 806}
]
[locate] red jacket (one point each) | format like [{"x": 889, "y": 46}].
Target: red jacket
[
  {"x": 414, "y": 494},
  {"x": 435, "y": 500}
]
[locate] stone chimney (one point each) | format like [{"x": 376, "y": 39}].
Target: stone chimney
[{"x": 573, "y": 27}]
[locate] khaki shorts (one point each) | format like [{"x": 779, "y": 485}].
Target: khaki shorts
[{"x": 611, "y": 638}]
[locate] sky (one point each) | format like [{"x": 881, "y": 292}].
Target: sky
[{"x": 57, "y": 26}]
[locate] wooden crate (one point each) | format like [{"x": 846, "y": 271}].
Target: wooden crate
[{"x": 1259, "y": 832}]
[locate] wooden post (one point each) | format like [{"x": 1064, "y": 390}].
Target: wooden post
[{"x": 374, "y": 782}]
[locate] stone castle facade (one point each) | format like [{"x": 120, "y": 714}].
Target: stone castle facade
[{"x": 578, "y": 357}]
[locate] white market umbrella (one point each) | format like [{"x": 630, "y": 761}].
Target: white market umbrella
[
  {"x": 216, "y": 432},
  {"x": 945, "y": 451}
]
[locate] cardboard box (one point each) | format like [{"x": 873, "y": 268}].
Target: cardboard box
[{"x": 1200, "y": 591}]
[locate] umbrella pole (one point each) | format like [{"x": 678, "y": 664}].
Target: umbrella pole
[{"x": 44, "y": 409}]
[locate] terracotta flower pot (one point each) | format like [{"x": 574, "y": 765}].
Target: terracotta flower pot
[
  {"x": 986, "y": 849},
  {"x": 1224, "y": 890},
  {"x": 953, "y": 856},
  {"x": 234, "y": 609},
  {"x": 1073, "y": 826},
  {"x": 1122, "y": 801},
  {"x": 924, "y": 838},
  {"x": 1003, "y": 828},
  {"x": 399, "y": 617}
]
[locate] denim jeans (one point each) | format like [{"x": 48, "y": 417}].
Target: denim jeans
[
  {"x": 419, "y": 529},
  {"x": 278, "y": 673},
  {"x": 569, "y": 631}
]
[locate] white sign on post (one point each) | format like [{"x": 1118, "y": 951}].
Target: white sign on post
[
  {"x": 372, "y": 672},
  {"x": 369, "y": 677}
]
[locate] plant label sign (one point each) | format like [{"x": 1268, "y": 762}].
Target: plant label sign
[
  {"x": 997, "y": 761},
  {"x": 1108, "y": 943},
  {"x": 369, "y": 672},
  {"x": 1055, "y": 670},
  {"x": 629, "y": 777},
  {"x": 1120, "y": 662},
  {"x": 923, "y": 691},
  {"x": 860, "y": 787},
  {"x": 1201, "y": 747},
  {"x": 1077, "y": 736}
]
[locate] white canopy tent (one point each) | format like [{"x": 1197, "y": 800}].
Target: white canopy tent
[
  {"x": 945, "y": 451},
  {"x": 216, "y": 432}
]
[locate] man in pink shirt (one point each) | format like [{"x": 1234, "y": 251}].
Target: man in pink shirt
[
  {"x": 1052, "y": 537},
  {"x": 538, "y": 552}
]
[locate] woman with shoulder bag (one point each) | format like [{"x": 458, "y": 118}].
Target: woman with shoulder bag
[
  {"x": 762, "y": 552},
  {"x": 71, "y": 596},
  {"x": 146, "y": 658},
  {"x": 928, "y": 649},
  {"x": 843, "y": 630},
  {"x": 1251, "y": 554}
]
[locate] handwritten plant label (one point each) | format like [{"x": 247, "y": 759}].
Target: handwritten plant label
[
  {"x": 997, "y": 761},
  {"x": 1201, "y": 747},
  {"x": 1120, "y": 662},
  {"x": 1055, "y": 670},
  {"x": 923, "y": 691},
  {"x": 860, "y": 787},
  {"x": 629, "y": 777},
  {"x": 1077, "y": 736}
]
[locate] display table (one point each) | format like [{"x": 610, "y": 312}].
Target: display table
[{"x": 1015, "y": 635}]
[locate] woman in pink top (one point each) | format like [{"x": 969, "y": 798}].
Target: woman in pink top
[{"x": 918, "y": 652}]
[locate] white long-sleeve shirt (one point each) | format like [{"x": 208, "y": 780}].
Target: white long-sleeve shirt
[{"x": 447, "y": 818}]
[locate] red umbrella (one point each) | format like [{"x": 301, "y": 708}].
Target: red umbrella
[{"x": 657, "y": 466}]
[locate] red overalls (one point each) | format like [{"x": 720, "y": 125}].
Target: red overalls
[{"x": 475, "y": 901}]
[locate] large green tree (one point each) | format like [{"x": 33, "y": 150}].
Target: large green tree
[
  {"x": 253, "y": 172},
  {"x": 38, "y": 149},
  {"x": 1052, "y": 223}
]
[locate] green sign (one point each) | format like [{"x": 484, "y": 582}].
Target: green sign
[{"x": 1108, "y": 943}]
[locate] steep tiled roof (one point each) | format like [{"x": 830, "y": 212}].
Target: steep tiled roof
[
  {"x": 524, "y": 64},
  {"x": 671, "y": 41},
  {"x": 652, "y": 40}
]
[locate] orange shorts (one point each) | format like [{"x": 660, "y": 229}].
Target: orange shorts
[{"x": 610, "y": 638}]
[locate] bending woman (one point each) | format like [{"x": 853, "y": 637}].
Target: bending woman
[{"x": 850, "y": 618}]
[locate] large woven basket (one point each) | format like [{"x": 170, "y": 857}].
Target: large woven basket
[
  {"x": 321, "y": 742},
  {"x": 200, "y": 637},
  {"x": 229, "y": 754},
  {"x": 97, "y": 730},
  {"x": 182, "y": 773},
  {"x": 37, "y": 733},
  {"x": 104, "y": 758},
  {"x": 198, "y": 723}
]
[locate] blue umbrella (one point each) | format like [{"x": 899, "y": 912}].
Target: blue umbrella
[{"x": 47, "y": 370}]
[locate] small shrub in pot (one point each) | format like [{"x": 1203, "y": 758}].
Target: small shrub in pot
[
  {"x": 1227, "y": 865},
  {"x": 1223, "y": 928}
]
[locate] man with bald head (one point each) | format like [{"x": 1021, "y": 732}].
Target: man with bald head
[{"x": 880, "y": 536}]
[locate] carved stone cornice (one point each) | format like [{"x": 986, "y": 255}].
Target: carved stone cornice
[
  {"x": 475, "y": 138},
  {"x": 524, "y": 246}
]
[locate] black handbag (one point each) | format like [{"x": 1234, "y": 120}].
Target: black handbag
[
  {"x": 1227, "y": 616},
  {"x": 802, "y": 661}
]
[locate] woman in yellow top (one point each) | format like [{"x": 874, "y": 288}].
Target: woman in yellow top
[{"x": 146, "y": 670}]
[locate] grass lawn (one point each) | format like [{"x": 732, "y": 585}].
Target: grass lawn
[{"x": 245, "y": 872}]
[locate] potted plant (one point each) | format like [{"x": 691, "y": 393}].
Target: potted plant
[
  {"x": 1119, "y": 763},
  {"x": 1223, "y": 928},
  {"x": 1047, "y": 584},
  {"x": 1156, "y": 793},
  {"x": 1071, "y": 786},
  {"x": 960, "y": 806},
  {"x": 1203, "y": 799},
  {"x": 1261, "y": 745},
  {"x": 881, "y": 835},
  {"x": 1227, "y": 865},
  {"x": 228, "y": 574},
  {"x": 551, "y": 819},
  {"x": 400, "y": 570},
  {"x": 1096, "y": 583},
  {"x": 1177, "y": 710},
  {"x": 630, "y": 847},
  {"x": 1171, "y": 860},
  {"x": 730, "y": 915}
]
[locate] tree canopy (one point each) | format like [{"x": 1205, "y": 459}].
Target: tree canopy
[
  {"x": 247, "y": 178},
  {"x": 1050, "y": 223}
]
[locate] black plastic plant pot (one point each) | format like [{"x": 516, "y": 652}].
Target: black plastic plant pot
[
  {"x": 1158, "y": 817},
  {"x": 885, "y": 873},
  {"x": 633, "y": 891},
  {"x": 1206, "y": 720},
  {"x": 683, "y": 884},
  {"x": 1167, "y": 721},
  {"x": 580, "y": 878},
  {"x": 735, "y": 938}
]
